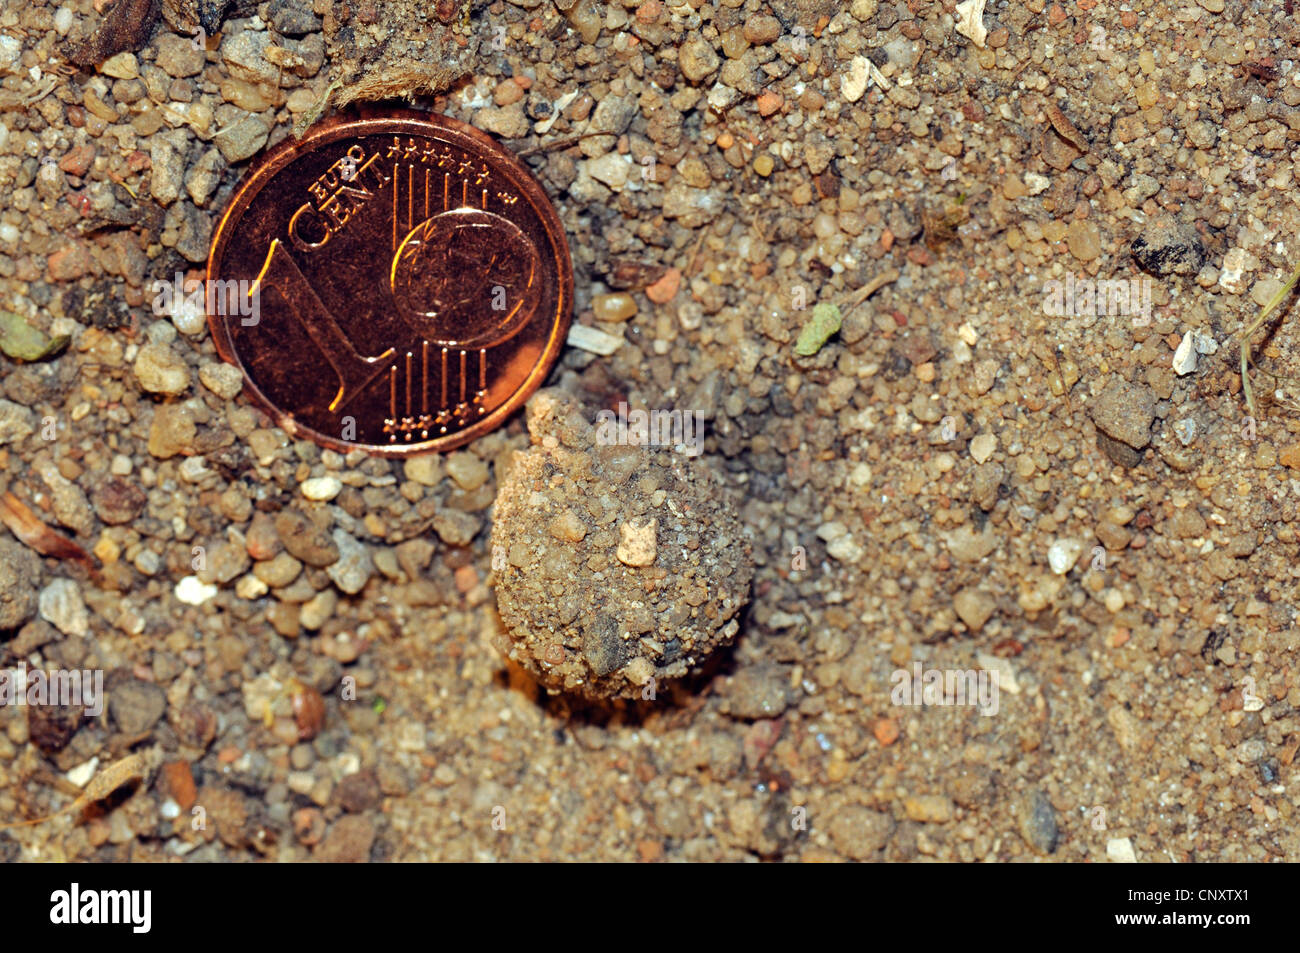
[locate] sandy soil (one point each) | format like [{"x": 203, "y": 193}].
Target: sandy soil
[{"x": 1024, "y": 452}]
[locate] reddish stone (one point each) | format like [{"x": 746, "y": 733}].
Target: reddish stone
[
  {"x": 665, "y": 289},
  {"x": 68, "y": 263},
  {"x": 769, "y": 102},
  {"x": 176, "y": 781},
  {"x": 919, "y": 255},
  {"x": 886, "y": 731},
  {"x": 78, "y": 160},
  {"x": 650, "y": 11}
]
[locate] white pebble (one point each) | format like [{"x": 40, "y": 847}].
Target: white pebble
[
  {"x": 63, "y": 21},
  {"x": 193, "y": 469},
  {"x": 590, "y": 339},
  {"x": 856, "y": 79},
  {"x": 250, "y": 587},
  {"x": 845, "y": 549},
  {"x": 192, "y": 592},
  {"x": 61, "y": 605},
  {"x": 189, "y": 317},
  {"x": 1063, "y": 554},
  {"x": 1120, "y": 850},
  {"x": 321, "y": 488},
  {"x": 1185, "y": 356},
  {"x": 11, "y": 48},
  {"x": 82, "y": 773}
]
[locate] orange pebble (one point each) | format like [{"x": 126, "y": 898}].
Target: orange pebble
[
  {"x": 649, "y": 11},
  {"x": 886, "y": 731},
  {"x": 769, "y": 102},
  {"x": 466, "y": 579},
  {"x": 665, "y": 289}
]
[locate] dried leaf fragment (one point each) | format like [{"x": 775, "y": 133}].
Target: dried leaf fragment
[
  {"x": 29, "y": 528},
  {"x": 1065, "y": 129},
  {"x": 121, "y": 772},
  {"x": 126, "y": 26}
]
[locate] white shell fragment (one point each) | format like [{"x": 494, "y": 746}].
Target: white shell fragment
[
  {"x": 542, "y": 127},
  {"x": 1185, "y": 356},
  {"x": 590, "y": 339},
  {"x": 970, "y": 21}
]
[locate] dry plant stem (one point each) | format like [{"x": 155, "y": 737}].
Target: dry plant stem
[
  {"x": 108, "y": 780},
  {"x": 559, "y": 144},
  {"x": 1245, "y": 338}
]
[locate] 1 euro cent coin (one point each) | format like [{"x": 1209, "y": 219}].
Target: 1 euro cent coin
[{"x": 397, "y": 283}]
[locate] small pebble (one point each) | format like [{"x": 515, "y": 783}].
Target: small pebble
[
  {"x": 982, "y": 447},
  {"x": 1063, "y": 554},
  {"x": 160, "y": 370},
  {"x": 321, "y": 489},
  {"x": 1119, "y": 850},
  {"x": 613, "y": 307},
  {"x": 467, "y": 470},
  {"x": 193, "y": 591},
  {"x": 637, "y": 545}
]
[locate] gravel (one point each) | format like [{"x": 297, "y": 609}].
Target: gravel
[
  {"x": 19, "y": 572},
  {"x": 723, "y": 171}
]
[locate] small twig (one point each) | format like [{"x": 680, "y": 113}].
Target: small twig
[
  {"x": 695, "y": 252},
  {"x": 888, "y": 276},
  {"x": 1065, "y": 388},
  {"x": 1247, "y": 332},
  {"x": 133, "y": 767},
  {"x": 560, "y": 144}
]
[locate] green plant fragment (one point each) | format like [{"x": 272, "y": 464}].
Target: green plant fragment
[
  {"x": 824, "y": 322},
  {"x": 22, "y": 342}
]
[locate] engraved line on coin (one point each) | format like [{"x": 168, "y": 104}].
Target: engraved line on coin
[
  {"x": 466, "y": 278},
  {"x": 408, "y": 423},
  {"x": 338, "y": 197},
  {"x": 354, "y": 370}
]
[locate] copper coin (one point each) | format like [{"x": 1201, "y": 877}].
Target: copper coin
[{"x": 397, "y": 283}]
